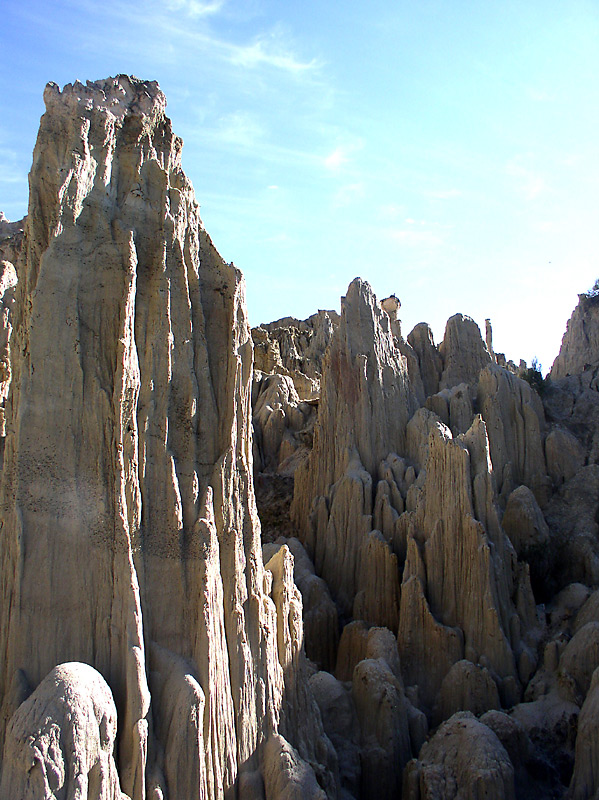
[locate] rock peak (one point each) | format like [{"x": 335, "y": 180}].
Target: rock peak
[{"x": 118, "y": 96}]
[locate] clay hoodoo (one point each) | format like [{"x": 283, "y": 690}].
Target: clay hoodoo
[
  {"x": 436, "y": 533},
  {"x": 130, "y": 535},
  {"x": 440, "y": 559},
  {"x": 388, "y": 493}
]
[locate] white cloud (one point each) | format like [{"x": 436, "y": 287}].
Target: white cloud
[
  {"x": 341, "y": 155},
  {"x": 268, "y": 51},
  {"x": 539, "y": 95},
  {"x": 240, "y": 128},
  {"x": 391, "y": 211},
  {"x": 443, "y": 194},
  {"x": 337, "y": 158},
  {"x": 9, "y": 169},
  {"x": 414, "y": 238},
  {"x": 195, "y": 8},
  {"x": 178, "y": 24},
  {"x": 528, "y": 182},
  {"x": 348, "y": 194}
]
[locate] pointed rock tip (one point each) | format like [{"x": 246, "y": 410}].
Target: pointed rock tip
[{"x": 357, "y": 289}]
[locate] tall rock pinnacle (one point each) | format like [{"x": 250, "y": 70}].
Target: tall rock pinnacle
[{"x": 130, "y": 539}]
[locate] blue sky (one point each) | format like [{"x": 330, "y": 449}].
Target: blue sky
[{"x": 444, "y": 151}]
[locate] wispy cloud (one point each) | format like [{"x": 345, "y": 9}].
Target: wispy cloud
[
  {"x": 413, "y": 237},
  {"x": 529, "y": 183},
  {"x": 391, "y": 211},
  {"x": 195, "y": 8},
  {"x": 336, "y": 159},
  {"x": 348, "y": 194},
  {"x": 539, "y": 95},
  {"x": 268, "y": 51},
  {"x": 240, "y": 128},
  {"x": 9, "y": 167},
  {"x": 442, "y": 194},
  {"x": 174, "y": 27},
  {"x": 341, "y": 155}
]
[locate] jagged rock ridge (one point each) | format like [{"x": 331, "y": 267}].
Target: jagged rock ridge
[{"x": 431, "y": 517}]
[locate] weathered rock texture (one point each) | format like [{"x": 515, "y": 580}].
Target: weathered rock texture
[
  {"x": 580, "y": 346},
  {"x": 389, "y": 495},
  {"x": 283, "y": 425},
  {"x": 365, "y": 404},
  {"x": 130, "y": 540},
  {"x": 60, "y": 741},
  {"x": 463, "y": 759},
  {"x": 295, "y": 348},
  {"x": 434, "y": 489},
  {"x": 463, "y": 352}
]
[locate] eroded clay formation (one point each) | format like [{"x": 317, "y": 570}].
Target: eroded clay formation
[
  {"x": 130, "y": 539},
  {"x": 429, "y": 520},
  {"x": 446, "y": 502}
]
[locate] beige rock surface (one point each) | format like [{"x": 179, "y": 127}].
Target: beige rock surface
[
  {"x": 60, "y": 741},
  {"x": 352, "y": 649},
  {"x": 341, "y": 725},
  {"x": 9, "y": 229},
  {"x": 286, "y": 775},
  {"x": 320, "y": 617},
  {"x": 578, "y": 662},
  {"x": 524, "y": 523},
  {"x": 565, "y": 455},
  {"x": 589, "y": 611},
  {"x": 466, "y": 687},
  {"x": 463, "y": 352},
  {"x": 430, "y": 361},
  {"x": 295, "y": 348},
  {"x": 579, "y": 351},
  {"x": 462, "y": 595},
  {"x": 282, "y": 424},
  {"x": 366, "y": 401},
  {"x": 464, "y": 759},
  {"x": 130, "y": 534},
  {"x": 8, "y": 282},
  {"x": 551, "y": 723},
  {"x": 572, "y": 515},
  {"x": 515, "y": 419},
  {"x": 585, "y": 779},
  {"x": 299, "y": 718},
  {"x": 454, "y": 407},
  {"x": 384, "y": 728}
]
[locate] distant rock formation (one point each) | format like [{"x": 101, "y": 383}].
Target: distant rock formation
[
  {"x": 580, "y": 345},
  {"x": 295, "y": 348}
]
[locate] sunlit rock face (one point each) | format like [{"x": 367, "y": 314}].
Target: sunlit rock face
[
  {"x": 153, "y": 645},
  {"x": 130, "y": 539},
  {"x": 579, "y": 351}
]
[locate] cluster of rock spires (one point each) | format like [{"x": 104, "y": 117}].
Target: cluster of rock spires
[{"x": 418, "y": 614}]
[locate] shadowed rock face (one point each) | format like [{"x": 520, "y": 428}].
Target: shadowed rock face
[
  {"x": 130, "y": 539},
  {"x": 463, "y": 759}
]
